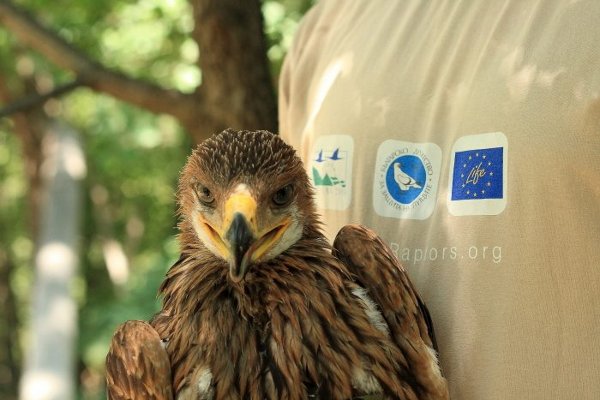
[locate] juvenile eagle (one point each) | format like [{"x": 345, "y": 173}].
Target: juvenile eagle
[{"x": 260, "y": 306}]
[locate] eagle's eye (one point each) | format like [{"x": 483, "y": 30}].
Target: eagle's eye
[
  {"x": 204, "y": 195},
  {"x": 283, "y": 196}
]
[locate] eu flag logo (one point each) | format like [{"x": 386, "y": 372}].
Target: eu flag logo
[{"x": 478, "y": 174}]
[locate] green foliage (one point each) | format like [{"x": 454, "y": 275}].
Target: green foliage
[
  {"x": 15, "y": 254},
  {"x": 133, "y": 164},
  {"x": 133, "y": 157},
  {"x": 281, "y": 20},
  {"x": 14, "y": 240}
]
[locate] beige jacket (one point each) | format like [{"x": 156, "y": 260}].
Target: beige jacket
[{"x": 468, "y": 134}]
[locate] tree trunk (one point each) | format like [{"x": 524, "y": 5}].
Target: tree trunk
[
  {"x": 236, "y": 86},
  {"x": 49, "y": 369}
]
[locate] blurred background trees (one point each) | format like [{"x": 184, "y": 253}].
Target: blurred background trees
[{"x": 132, "y": 85}]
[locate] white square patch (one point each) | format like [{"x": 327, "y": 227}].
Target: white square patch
[
  {"x": 330, "y": 169},
  {"x": 406, "y": 179},
  {"x": 478, "y": 175}
]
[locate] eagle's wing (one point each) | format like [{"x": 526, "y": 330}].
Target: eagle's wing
[
  {"x": 137, "y": 365},
  {"x": 379, "y": 272}
]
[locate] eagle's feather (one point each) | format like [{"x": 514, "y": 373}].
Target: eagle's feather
[
  {"x": 137, "y": 364},
  {"x": 300, "y": 319}
]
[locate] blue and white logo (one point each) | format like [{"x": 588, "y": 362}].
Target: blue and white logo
[
  {"x": 406, "y": 179},
  {"x": 478, "y": 175}
]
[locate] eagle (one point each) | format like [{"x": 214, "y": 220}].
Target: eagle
[{"x": 261, "y": 306}]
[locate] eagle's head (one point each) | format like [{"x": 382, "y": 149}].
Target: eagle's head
[{"x": 247, "y": 197}]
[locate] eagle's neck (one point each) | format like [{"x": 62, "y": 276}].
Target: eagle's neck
[{"x": 200, "y": 277}]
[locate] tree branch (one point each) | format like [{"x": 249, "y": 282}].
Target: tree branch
[
  {"x": 28, "y": 102},
  {"x": 92, "y": 74}
]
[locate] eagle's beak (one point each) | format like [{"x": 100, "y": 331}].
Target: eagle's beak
[
  {"x": 240, "y": 237},
  {"x": 241, "y": 232}
]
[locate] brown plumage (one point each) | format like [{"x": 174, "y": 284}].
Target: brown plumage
[
  {"x": 260, "y": 306},
  {"x": 138, "y": 364}
]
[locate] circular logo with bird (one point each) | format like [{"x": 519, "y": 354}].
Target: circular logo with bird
[{"x": 405, "y": 178}]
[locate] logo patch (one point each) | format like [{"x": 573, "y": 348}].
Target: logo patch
[
  {"x": 406, "y": 179},
  {"x": 477, "y": 184},
  {"x": 330, "y": 168}
]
